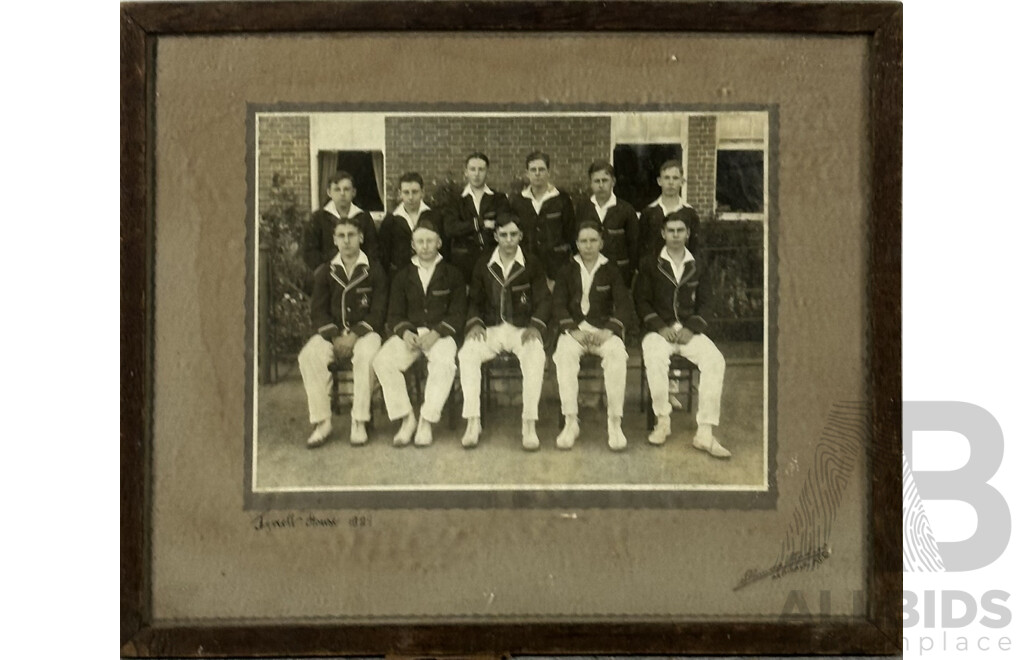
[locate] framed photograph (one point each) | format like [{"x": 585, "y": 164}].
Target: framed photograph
[{"x": 323, "y": 453}]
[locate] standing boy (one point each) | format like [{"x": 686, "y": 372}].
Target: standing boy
[
  {"x": 469, "y": 226},
  {"x": 593, "y": 309},
  {"x": 671, "y": 180},
  {"x": 318, "y": 245},
  {"x": 395, "y": 236},
  {"x": 546, "y": 216},
  {"x": 426, "y": 308},
  {"x": 668, "y": 301},
  {"x": 617, "y": 218},
  {"x": 509, "y": 304},
  {"x": 347, "y": 309}
]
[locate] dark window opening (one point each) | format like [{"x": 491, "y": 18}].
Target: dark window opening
[
  {"x": 367, "y": 170},
  {"x": 636, "y": 170},
  {"x": 739, "y": 182}
]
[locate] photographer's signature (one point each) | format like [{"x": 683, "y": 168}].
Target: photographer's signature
[{"x": 796, "y": 561}]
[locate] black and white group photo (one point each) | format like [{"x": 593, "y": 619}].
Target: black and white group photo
[{"x": 499, "y": 302}]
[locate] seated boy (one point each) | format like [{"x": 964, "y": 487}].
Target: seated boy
[
  {"x": 593, "y": 309},
  {"x": 668, "y": 301},
  {"x": 509, "y": 305},
  {"x": 394, "y": 238},
  {"x": 426, "y": 307},
  {"x": 348, "y": 306}
]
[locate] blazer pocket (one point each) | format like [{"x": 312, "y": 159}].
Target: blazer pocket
[
  {"x": 442, "y": 292},
  {"x": 553, "y": 216}
]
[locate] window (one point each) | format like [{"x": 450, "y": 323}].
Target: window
[
  {"x": 741, "y": 172},
  {"x": 636, "y": 170},
  {"x": 367, "y": 170},
  {"x": 739, "y": 181}
]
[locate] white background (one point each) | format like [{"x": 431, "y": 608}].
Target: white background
[{"x": 962, "y": 263}]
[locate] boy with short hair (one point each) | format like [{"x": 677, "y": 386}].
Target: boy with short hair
[
  {"x": 671, "y": 180},
  {"x": 509, "y": 304},
  {"x": 347, "y": 309},
  {"x": 593, "y": 309},
  {"x": 426, "y": 308},
  {"x": 395, "y": 235},
  {"x": 669, "y": 295},
  {"x": 318, "y": 238},
  {"x": 617, "y": 218},
  {"x": 469, "y": 226},
  {"x": 546, "y": 216}
]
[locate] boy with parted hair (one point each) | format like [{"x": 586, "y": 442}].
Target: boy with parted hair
[
  {"x": 671, "y": 180},
  {"x": 395, "y": 234},
  {"x": 426, "y": 309},
  {"x": 347, "y": 309},
  {"x": 469, "y": 226},
  {"x": 593, "y": 310},
  {"x": 669, "y": 294},
  {"x": 509, "y": 306},
  {"x": 546, "y": 215},
  {"x": 617, "y": 218},
  {"x": 318, "y": 239}
]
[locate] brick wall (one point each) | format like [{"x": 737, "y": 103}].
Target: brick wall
[
  {"x": 436, "y": 147},
  {"x": 284, "y": 151},
  {"x": 700, "y": 166}
]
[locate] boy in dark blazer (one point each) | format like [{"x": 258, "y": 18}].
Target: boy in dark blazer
[
  {"x": 671, "y": 181},
  {"x": 617, "y": 218},
  {"x": 395, "y": 234},
  {"x": 593, "y": 310},
  {"x": 546, "y": 216},
  {"x": 318, "y": 238},
  {"x": 469, "y": 225},
  {"x": 426, "y": 309},
  {"x": 347, "y": 309}
]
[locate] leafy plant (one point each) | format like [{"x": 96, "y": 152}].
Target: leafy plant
[{"x": 281, "y": 227}]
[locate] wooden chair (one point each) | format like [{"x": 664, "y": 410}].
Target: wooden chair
[
  {"x": 680, "y": 371},
  {"x": 341, "y": 374},
  {"x": 504, "y": 367}
]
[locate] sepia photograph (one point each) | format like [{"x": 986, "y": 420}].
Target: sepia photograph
[{"x": 476, "y": 308}]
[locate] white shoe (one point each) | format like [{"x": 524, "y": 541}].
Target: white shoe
[
  {"x": 320, "y": 433},
  {"x": 530, "y": 440},
  {"x": 472, "y": 435},
  {"x": 357, "y": 433},
  {"x": 567, "y": 437},
  {"x": 707, "y": 442},
  {"x": 616, "y": 438},
  {"x": 661, "y": 431},
  {"x": 424, "y": 434},
  {"x": 404, "y": 435}
]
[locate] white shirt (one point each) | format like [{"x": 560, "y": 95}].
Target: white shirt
[
  {"x": 677, "y": 269},
  {"x": 411, "y": 220},
  {"x": 353, "y": 210},
  {"x": 537, "y": 203},
  {"x": 361, "y": 260},
  {"x": 602, "y": 211},
  {"x": 426, "y": 272},
  {"x": 468, "y": 190},
  {"x": 666, "y": 210},
  {"x": 505, "y": 270},
  {"x": 587, "y": 279}
]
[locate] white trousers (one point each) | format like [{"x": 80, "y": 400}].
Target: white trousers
[
  {"x": 567, "y": 367},
  {"x": 498, "y": 339},
  {"x": 395, "y": 357},
  {"x": 315, "y": 358},
  {"x": 702, "y": 352}
]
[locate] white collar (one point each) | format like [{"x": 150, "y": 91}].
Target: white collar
[
  {"x": 437, "y": 260},
  {"x": 361, "y": 260},
  {"x": 687, "y": 257},
  {"x": 353, "y": 210},
  {"x": 551, "y": 192},
  {"x": 401, "y": 212},
  {"x": 468, "y": 190},
  {"x": 519, "y": 259},
  {"x": 666, "y": 211},
  {"x": 601, "y": 260},
  {"x": 612, "y": 201}
]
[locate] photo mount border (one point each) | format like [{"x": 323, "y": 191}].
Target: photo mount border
[
  {"x": 530, "y": 496},
  {"x": 878, "y": 632}
]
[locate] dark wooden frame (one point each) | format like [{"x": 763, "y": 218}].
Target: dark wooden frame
[{"x": 879, "y": 632}]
